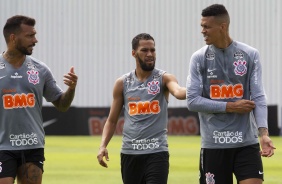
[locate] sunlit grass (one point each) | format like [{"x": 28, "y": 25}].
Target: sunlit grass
[{"x": 72, "y": 160}]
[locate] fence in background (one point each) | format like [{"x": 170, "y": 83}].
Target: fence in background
[{"x": 90, "y": 121}]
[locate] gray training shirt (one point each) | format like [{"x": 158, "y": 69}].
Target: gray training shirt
[
  {"x": 145, "y": 116},
  {"x": 22, "y": 91},
  {"x": 217, "y": 76}
]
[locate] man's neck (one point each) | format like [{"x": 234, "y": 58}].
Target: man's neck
[
  {"x": 142, "y": 75},
  {"x": 226, "y": 41},
  {"x": 15, "y": 59}
]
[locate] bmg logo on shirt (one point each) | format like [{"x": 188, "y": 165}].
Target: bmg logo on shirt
[
  {"x": 18, "y": 100},
  {"x": 226, "y": 91},
  {"x": 138, "y": 108},
  {"x": 24, "y": 139}
]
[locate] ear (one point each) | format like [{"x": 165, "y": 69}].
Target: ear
[
  {"x": 133, "y": 52},
  {"x": 12, "y": 38},
  {"x": 224, "y": 26}
]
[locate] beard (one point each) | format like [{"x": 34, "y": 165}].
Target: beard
[
  {"x": 24, "y": 50},
  {"x": 144, "y": 66}
]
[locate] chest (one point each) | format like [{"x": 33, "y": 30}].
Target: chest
[
  {"x": 25, "y": 79},
  {"x": 226, "y": 67}
]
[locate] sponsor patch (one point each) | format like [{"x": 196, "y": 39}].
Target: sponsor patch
[
  {"x": 23, "y": 139},
  {"x": 142, "y": 86},
  {"x": 238, "y": 55},
  {"x": 240, "y": 67},
  {"x": 134, "y": 98},
  {"x": 30, "y": 66},
  {"x": 16, "y": 76},
  {"x": 158, "y": 75},
  {"x": 33, "y": 76},
  {"x": 227, "y": 137},
  {"x": 210, "y": 56},
  {"x": 146, "y": 107},
  {"x": 216, "y": 81},
  {"x": 145, "y": 144},
  {"x": 226, "y": 91},
  {"x": 2, "y": 66},
  {"x": 129, "y": 80},
  {"x": 18, "y": 100},
  {"x": 211, "y": 75}
]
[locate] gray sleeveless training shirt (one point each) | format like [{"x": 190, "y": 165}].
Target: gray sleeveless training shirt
[
  {"x": 145, "y": 116},
  {"x": 22, "y": 91},
  {"x": 217, "y": 76}
]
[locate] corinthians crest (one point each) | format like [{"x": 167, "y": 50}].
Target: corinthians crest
[
  {"x": 210, "y": 178},
  {"x": 33, "y": 76},
  {"x": 153, "y": 87},
  {"x": 240, "y": 67}
]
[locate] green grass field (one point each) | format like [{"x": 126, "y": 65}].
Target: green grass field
[{"x": 72, "y": 160}]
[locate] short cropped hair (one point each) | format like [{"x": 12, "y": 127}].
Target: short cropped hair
[
  {"x": 13, "y": 25},
  {"x": 141, "y": 36},
  {"x": 214, "y": 10}
]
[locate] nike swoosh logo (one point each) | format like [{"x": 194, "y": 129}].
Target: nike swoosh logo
[
  {"x": 47, "y": 123},
  {"x": 260, "y": 172},
  {"x": 211, "y": 70},
  {"x": 3, "y": 77}
]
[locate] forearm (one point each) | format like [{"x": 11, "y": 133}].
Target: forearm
[
  {"x": 108, "y": 132},
  {"x": 195, "y": 101},
  {"x": 201, "y": 104},
  {"x": 258, "y": 95},
  {"x": 260, "y": 111},
  {"x": 263, "y": 131},
  {"x": 180, "y": 94},
  {"x": 65, "y": 100}
]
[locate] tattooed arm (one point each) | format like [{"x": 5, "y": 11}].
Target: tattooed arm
[{"x": 64, "y": 102}]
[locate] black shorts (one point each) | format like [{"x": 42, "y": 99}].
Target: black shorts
[
  {"x": 145, "y": 169},
  {"x": 10, "y": 160},
  {"x": 218, "y": 165}
]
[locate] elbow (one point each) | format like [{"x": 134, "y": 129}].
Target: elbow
[
  {"x": 61, "y": 105},
  {"x": 190, "y": 106},
  {"x": 62, "y": 108}
]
